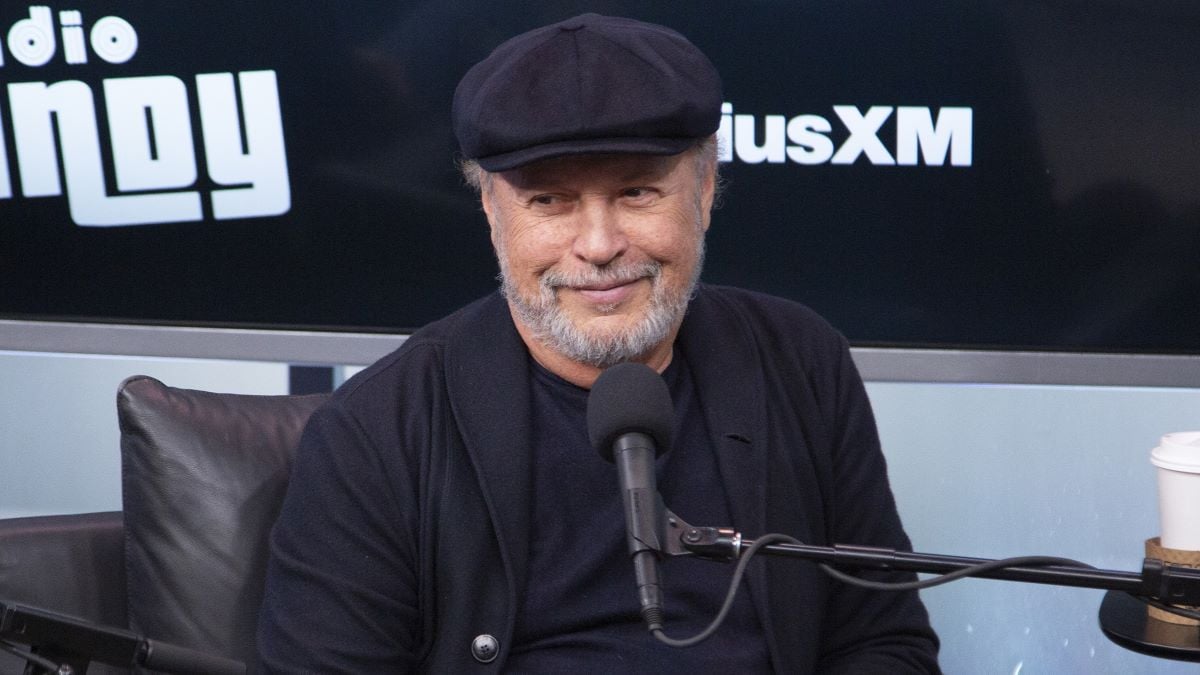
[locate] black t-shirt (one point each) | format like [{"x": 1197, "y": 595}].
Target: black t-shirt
[{"x": 580, "y": 611}]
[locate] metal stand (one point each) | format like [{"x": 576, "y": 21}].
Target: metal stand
[{"x": 1123, "y": 618}]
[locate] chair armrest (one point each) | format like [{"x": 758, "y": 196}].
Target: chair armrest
[{"x": 73, "y": 564}]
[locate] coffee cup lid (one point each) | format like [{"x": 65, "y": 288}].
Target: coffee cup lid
[{"x": 1178, "y": 452}]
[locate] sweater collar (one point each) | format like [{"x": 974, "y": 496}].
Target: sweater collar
[
  {"x": 726, "y": 367},
  {"x": 487, "y": 380}
]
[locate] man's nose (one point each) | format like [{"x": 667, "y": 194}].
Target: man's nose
[{"x": 600, "y": 238}]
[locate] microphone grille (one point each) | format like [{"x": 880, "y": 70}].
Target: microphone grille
[{"x": 629, "y": 397}]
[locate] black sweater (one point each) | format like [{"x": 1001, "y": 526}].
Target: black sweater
[{"x": 406, "y": 529}]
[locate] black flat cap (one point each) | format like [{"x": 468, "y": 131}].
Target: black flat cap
[{"x": 590, "y": 84}]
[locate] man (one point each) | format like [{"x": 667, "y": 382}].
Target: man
[{"x": 446, "y": 511}]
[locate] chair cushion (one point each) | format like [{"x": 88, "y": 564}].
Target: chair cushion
[{"x": 203, "y": 478}]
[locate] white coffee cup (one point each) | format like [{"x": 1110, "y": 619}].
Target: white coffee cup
[{"x": 1178, "y": 460}]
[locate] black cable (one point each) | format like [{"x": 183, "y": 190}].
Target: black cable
[
  {"x": 729, "y": 597},
  {"x": 973, "y": 570},
  {"x": 16, "y": 650},
  {"x": 739, "y": 571}
]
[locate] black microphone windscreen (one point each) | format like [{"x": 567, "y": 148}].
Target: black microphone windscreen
[{"x": 629, "y": 397}]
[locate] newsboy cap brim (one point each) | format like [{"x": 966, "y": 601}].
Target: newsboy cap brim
[{"x": 591, "y": 84}]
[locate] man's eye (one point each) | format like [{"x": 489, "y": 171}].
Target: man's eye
[{"x": 636, "y": 192}]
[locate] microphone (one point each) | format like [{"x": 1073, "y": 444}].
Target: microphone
[{"x": 629, "y": 417}]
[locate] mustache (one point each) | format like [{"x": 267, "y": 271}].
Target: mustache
[{"x": 609, "y": 274}]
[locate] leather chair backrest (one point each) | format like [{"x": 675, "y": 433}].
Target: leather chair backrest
[{"x": 203, "y": 478}]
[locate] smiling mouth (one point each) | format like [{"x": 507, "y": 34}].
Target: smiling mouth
[
  {"x": 609, "y": 293},
  {"x": 603, "y": 289}
]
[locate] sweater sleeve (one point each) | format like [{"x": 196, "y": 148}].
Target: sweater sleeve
[
  {"x": 868, "y": 631},
  {"x": 342, "y": 590}
]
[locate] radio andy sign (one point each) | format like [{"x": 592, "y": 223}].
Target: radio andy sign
[{"x": 150, "y": 130}]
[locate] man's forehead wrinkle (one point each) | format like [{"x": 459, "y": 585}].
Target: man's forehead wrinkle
[{"x": 557, "y": 171}]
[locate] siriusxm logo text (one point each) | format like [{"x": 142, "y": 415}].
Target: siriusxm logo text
[
  {"x": 150, "y": 136},
  {"x": 807, "y": 139}
]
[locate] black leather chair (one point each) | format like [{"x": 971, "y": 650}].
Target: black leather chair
[{"x": 203, "y": 476}]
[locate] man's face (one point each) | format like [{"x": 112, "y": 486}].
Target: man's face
[{"x": 599, "y": 254}]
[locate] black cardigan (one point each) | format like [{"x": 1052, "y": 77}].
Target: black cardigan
[{"x": 405, "y": 531}]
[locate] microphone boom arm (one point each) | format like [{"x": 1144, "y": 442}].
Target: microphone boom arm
[{"x": 1171, "y": 584}]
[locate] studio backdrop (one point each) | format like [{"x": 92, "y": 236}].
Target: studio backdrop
[{"x": 1020, "y": 174}]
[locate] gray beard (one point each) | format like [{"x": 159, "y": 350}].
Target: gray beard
[{"x": 551, "y": 326}]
